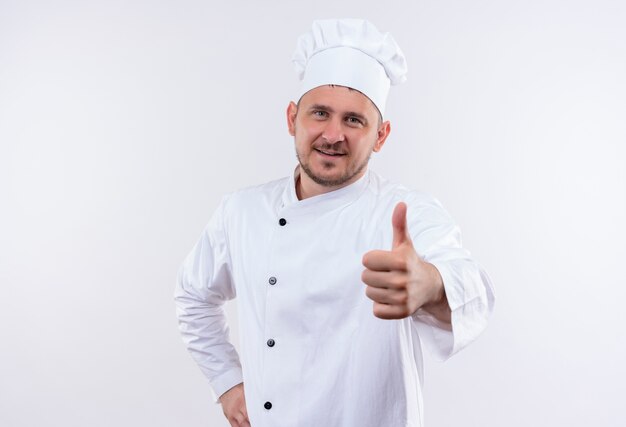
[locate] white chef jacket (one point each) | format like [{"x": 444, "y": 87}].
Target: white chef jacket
[{"x": 312, "y": 352}]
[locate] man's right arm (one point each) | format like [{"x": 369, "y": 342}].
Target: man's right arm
[
  {"x": 203, "y": 285},
  {"x": 234, "y": 407}
]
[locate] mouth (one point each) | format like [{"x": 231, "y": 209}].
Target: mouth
[{"x": 330, "y": 153}]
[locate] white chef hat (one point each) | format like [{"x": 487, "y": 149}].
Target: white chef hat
[{"x": 352, "y": 53}]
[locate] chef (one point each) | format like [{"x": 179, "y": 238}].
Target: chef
[{"x": 342, "y": 277}]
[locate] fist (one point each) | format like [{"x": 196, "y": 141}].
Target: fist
[
  {"x": 399, "y": 281},
  {"x": 234, "y": 406}
]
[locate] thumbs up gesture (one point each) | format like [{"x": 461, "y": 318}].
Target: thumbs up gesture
[{"x": 399, "y": 281}]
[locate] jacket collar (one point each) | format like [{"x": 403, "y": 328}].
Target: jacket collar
[{"x": 322, "y": 202}]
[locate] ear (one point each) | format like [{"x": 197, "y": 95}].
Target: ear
[
  {"x": 292, "y": 111},
  {"x": 383, "y": 132}
]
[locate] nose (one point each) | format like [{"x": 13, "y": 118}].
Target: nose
[{"x": 333, "y": 131}]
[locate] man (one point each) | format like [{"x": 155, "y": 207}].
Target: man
[{"x": 341, "y": 276}]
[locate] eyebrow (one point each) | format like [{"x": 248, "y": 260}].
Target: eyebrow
[{"x": 330, "y": 110}]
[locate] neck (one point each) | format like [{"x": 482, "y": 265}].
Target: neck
[{"x": 306, "y": 187}]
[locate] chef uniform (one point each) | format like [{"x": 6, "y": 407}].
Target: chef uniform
[{"x": 312, "y": 352}]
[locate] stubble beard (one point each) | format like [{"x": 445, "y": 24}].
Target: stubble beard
[{"x": 326, "y": 182}]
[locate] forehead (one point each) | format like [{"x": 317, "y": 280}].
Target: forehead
[{"x": 340, "y": 98}]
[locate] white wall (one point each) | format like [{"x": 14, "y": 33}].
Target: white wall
[{"x": 122, "y": 123}]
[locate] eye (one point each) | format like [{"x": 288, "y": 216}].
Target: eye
[
  {"x": 319, "y": 113},
  {"x": 354, "y": 120}
]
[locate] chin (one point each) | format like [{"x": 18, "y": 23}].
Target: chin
[
  {"x": 329, "y": 179},
  {"x": 324, "y": 173}
]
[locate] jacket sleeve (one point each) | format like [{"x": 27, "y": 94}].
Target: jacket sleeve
[
  {"x": 203, "y": 285},
  {"x": 470, "y": 293}
]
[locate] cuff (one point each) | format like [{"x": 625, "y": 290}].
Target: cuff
[
  {"x": 224, "y": 382},
  {"x": 467, "y": 290}
]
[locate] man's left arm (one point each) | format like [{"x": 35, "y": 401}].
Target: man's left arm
[{"x": 447, "y": 294}]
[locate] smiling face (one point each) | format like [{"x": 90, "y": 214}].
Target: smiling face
[{"x": 335, "y": 130}]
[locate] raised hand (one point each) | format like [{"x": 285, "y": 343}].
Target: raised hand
[{"x": 399, "y": 281}]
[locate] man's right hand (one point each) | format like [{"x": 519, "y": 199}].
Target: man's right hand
[{"x": 234, "y": 407}]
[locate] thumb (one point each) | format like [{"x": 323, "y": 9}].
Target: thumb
[{"x": 398, "y": 221}]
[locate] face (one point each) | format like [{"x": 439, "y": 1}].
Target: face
[{"x": 335, "y": 129}]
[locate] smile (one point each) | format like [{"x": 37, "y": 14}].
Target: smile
[{"x": 329, "y": 153}]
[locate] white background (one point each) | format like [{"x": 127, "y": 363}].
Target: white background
[{"x": 122, "y": 123}]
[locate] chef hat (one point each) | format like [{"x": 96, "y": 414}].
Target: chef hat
[{"x": 352, "y": 53}]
